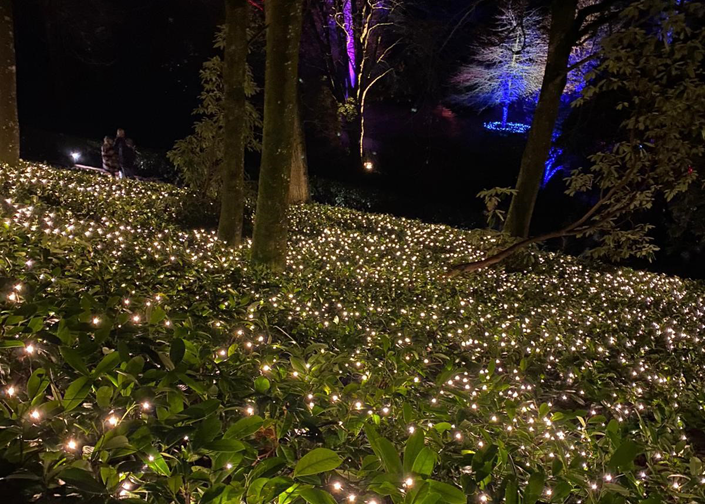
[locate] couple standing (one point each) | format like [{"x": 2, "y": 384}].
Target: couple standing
[{"x": 119, "y": 155}]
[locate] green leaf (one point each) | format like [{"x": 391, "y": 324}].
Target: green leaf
[
  {"x": 275, "y": 487},
  {"x": 177, "y": 351},
  {"x": 267, "y": 467},
  {"x": 74, "y": 359},
  {"x": 115, "y": 442},
  {"x": 544, "y": 410},
  {"x": 425, "y": 462},
  {"x": 413, "y": 446},
  {"x": 175, "y": 483},
  {"x": 11, "y": 343},
  {"x": 385, "y": 450},
  {"x": 511, "y": 492},
  {"x": 561, "y": 491},
  {"x": 158, "y": 314},
  {"x": 83, "y": 480},
  {"x": 442, "y": 427},
  {"x": 317, "y": 461},
  {"x": 316, "y": 496},
  {"x": 625, "y": 455},
  {"x": 254, "y": 491},
  {"x": 534, "y": 488},
  {"x": 76, "y": 393},
  {"x": 262, "y": 385},
  {"x": 103, "y": 396},
  {"x": 224, "y": 446},
  {"x": 108, "y": 363},
  {"x": 449, "y": 493},
  {"x": 156, "y": 462},
  {"x": 244, "y": 427},
  {"x": 213, "y": 493},
  {"x": 37, "y": 383},
  {"x": 696, "y": 467},
  {"x": 407, "y": 412}
]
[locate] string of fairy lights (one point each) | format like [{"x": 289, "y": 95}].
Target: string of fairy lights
[{"x": 369, "y": 286}]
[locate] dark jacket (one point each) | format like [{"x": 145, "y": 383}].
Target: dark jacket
[
  {"x": 120, "y": 145},
  {"x": 128, "y": 160}
]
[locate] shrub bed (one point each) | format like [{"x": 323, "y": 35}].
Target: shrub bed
[{"x": 141, "y": 361}]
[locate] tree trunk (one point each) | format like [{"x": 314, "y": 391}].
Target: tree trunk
[
  {"x": 9, "y": 121},
  {"x": 232, "y": 205},
  {"x": 298, "y": 188},
  {"x": 561, "y": 40},
  {"x": 280, "y": 104}
]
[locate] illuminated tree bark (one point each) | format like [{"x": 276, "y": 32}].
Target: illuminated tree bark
[
  {"x": 561, "y": 40},
  {"x": 298, "y": 187},
  {"x": 9, "y": 121},
  {"x": 234, "y": 110},
  {"x": 280, "y": 106}
]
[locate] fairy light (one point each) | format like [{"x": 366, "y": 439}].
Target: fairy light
[
  {"x": 71, "y": 445},
  {"x": 467, "y": 329}
]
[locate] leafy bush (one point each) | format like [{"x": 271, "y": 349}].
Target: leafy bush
[
  {"x": 199, "y": 156},
  {"x": 144, "y": 362},
  {"x": 331, "y": 192}
]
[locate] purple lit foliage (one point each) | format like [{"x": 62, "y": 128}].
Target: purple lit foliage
[{"x": 350, "y": 43}]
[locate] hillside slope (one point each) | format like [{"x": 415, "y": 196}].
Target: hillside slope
[{"x": 143, "y": 360}]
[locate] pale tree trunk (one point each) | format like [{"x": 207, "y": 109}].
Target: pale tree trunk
[
  {"x": 561, "y": 39},
  {"x": 9, "y": 120},
  {"x": 279, "y": 137},
  {"x": 298, "y": 187},
  {"x": 232, "y": 205}
]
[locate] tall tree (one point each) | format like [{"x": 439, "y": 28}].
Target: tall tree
[
  {"x": 352, "y": 41},
  {"x": 9, "y": 121},
  {"x": 298, "y": 188},
  {"x": 232, "y": 194},
  {"x": 279, "y": 136},
  {"x": 533, "y": 162},
  {"x": 658, "y": 152},
  {"x": 508, "y": 65},
  {"x": 570, "y": 25}
]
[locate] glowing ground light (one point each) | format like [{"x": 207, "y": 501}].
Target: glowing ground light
[
  {"x": 369, "y": 165},
  {"x": 509, "y": 127}
]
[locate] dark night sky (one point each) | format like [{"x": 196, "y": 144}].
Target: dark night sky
[{"x": 86, "y": 67}]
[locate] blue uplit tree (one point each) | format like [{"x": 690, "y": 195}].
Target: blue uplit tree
[{"x": 507, "y": 65}]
